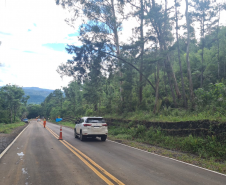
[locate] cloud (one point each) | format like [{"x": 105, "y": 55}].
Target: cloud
[
  {"x": 34, "y": 37},
  {"x": 29, "y": 52},
  {"x": 3, "y": 33},
  {"x": 56, "y": 46},
  {"x": 73, "y": 34}
]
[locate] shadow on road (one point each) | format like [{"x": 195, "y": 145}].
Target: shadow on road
[{"x": 90, "y": 139}]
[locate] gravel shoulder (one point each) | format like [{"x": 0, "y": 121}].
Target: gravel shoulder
[{"x": 6, "y": 139}]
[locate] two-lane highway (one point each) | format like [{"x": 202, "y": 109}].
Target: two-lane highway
[{"x": 38, "y": 157}]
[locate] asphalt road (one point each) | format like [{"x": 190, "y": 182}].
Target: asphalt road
[{"x": 38, "y": 157}]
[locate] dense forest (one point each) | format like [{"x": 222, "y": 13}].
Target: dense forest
[
  {"x": 173, "y": 63},
  {"x": 13, "y": 104}
]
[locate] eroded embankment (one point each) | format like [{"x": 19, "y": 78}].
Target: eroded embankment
[{"x": 185, "y": 128}]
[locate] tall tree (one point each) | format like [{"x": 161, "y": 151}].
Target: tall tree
[
  {"x": 206, "y": 16},
  {"x": 188, "y": 26},
  {"x": 177, "y": 4},
  {"x": 142, "y": 46},
  {"x": 161, "y": 24},
  {"x": 104, "y": 19},
  {"x": 12, "y": 96}
]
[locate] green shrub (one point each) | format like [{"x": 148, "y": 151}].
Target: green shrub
[
  {"x": 89, "y": 112},
  {"x": 204, "y": 147}
]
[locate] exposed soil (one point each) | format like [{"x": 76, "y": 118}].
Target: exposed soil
[{"x": 6, "y": 139}]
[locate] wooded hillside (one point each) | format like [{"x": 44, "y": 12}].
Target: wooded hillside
[{"x": 173, "y": 63}]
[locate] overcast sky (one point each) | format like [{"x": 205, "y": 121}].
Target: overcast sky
[{"x": 34, "y": 35}]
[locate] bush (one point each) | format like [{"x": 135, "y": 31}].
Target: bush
[
  {"x": 204, "y": 147},
  {"x": 89, "y": 112}
]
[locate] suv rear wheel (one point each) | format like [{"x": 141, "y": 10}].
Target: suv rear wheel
[
  {"x": 82, "y": 138},
  {"x": 76, "y": 136},
  {"x": 103, "y": 138}
]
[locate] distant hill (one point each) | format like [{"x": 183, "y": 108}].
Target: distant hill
[{"x": 37, "y": 95}]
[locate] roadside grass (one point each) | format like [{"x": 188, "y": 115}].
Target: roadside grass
[
  {"x": 206, "y": 152},
  {"x": 7, "y": 128},
  {"x": 210, "y": 163},
  {"x": 172, "y": 115},
  {"x": 67, "y": 124}
]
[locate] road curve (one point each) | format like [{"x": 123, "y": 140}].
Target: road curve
[{"x": 47, "y": 160}]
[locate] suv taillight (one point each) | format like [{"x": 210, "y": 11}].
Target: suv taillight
[
  {"x": 85, "y": 125},
  {"x": 104, "y": 125}
]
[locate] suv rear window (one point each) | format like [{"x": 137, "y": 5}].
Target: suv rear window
[{"x": 95, "y": 120}]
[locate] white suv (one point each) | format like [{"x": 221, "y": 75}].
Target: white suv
[{"x": 91, "y": 126}]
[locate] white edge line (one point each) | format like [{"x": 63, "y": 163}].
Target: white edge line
[
  {"x": 166, "y": 157},
  {"x": 170, "y": 158},
  {"x": 8, "y": 147}
]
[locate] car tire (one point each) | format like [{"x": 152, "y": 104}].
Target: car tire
[
  {"x": 82, "y": 138},
  {"x": 103, "y": 138},
  {"x": 76, "y": 136}
]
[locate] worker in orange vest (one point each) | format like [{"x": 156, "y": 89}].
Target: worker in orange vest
[{"x": 44, "y": 123}]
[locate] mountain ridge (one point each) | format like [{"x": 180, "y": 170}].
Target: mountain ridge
[{"x": 37, "y": 95}]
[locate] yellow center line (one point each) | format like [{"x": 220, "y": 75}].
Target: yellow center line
[
  {"x": 95, "y": 164},
  {"x": 82, "y": 159},
  {"x": 90, "y": 166}
]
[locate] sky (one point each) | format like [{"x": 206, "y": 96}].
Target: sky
[{"x": 33, "y": 37}]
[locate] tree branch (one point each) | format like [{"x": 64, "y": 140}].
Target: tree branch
[{"x": 130, "y": 65}]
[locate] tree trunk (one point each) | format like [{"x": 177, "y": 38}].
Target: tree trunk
[
  {"x": 218, "y": 45},
  {"x": 202, "y": 37},
  {"x": 142, "y": 48},
  {"x": 168, "y": 67},
  {"x": 178, "y": 51},
  {"x": 165, "y": 82},
  {"x": 175, "y": 82},
  {"x": 14, "y": 114},
  {"x": 187, "y": 55},
  {"x": 157, "y": 89},
  {"x": 116, "y": 39},
  {"x": 11, "y": 115},
  {"x": 224, "y": 68}
]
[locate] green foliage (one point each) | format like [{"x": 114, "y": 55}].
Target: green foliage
[
  {"x": 213, "y": 98},
  {"x": 34, "y": 110},
  {"x": 12, "y": 103},
  {"x": 107, "y": 74},
  {"x": 204, "y": 147},
  {"x": 89, "y": 112},
  {"x": 7, "y": 128}
]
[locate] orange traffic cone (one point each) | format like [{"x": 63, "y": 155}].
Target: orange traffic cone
[{"x": 60, "y": 137}]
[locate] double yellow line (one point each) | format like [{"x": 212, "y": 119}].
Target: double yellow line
[{"x": 89, "y": 162}]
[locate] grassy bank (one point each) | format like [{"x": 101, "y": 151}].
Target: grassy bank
[
  {"x": 209, "y": 163},
  {"x": 204, "y": 147},
  {"x": 170, "y": 115},
  {"x": 67, "y": 124},
  {"x": 7, "y": 128},
  {"x": 205, "y": 152}
]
